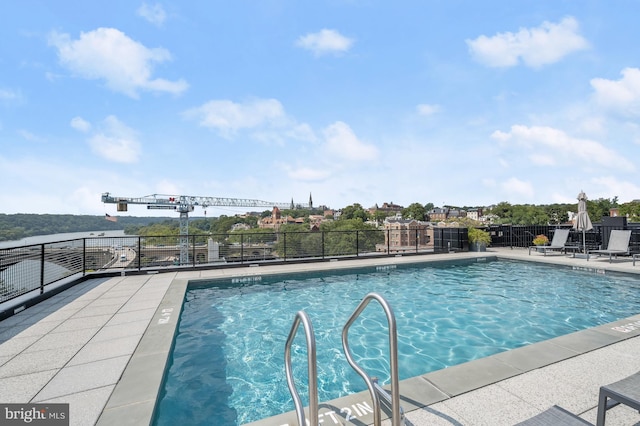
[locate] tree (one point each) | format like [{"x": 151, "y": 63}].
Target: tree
[
  {"x": 379, "y": 216},
  {"x": 415, "y": 211},
  {"x": 632, "y": 210},
  {"x": 298, "y": 241},
  {"x": 503, "y": 211},
  {"x": 253, "y": 236},
  {"x": 527, "y": 214},
  {"x": 601, "y": 207},
  {"x": 343, "y": 243},
  {"x": 223, "y": 224},
  {"x": 521, "y": 214},
  {"x": 557, "y": 213},
  {"x": 166, "y": 228},
  {"x": 354, "y": 211},
  {"x": 466, "y": 222}
]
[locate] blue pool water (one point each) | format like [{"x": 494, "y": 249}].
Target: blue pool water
[{"x": 228, "y": 360}]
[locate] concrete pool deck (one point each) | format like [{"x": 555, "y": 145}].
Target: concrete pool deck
[{"x": 102, "y": 345}]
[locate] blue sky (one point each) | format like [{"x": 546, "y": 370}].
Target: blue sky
[{"x": 450, "y": 102}]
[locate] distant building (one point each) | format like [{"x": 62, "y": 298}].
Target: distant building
[
  {"x": 438, "y": 214},
  {"x": 387, "y": 208},
  {"x": 441, "y": 214},
  {"x": 489, "y": 218},
  {"x": 406, "y": 234},
  {"x": 240, "y": 226},
  {"x": 474, "y": 214},
  {"x": 315, "y": 220},
  {"x": 275, "y": 221},
  {"x": 456, "y": 214}
]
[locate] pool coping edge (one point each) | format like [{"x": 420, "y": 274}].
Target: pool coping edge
[{"x": 136, "y": 394}]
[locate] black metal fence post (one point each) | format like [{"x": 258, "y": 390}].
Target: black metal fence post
[
  {"x": 193, "y": 251},
  {"x": 388, "y": 242},
  {"x": 241, "y": 248},
  {"x": 284, "y": 245},
  {"x": 84, "y": 256},
  {"x": 512, "y": 237},
  {"x": 41, "y": 268}
]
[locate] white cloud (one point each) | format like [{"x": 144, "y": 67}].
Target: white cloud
[
  {"x": 518, "y": 188},
  {"x": 308, "y": 174},
  {"x": 116, "y": 142},
  {"x": 536, "y": 47},
  {"x": 153, "y": 13},
  {"x": 610, "y": 186},
  {"x": 10, "y": 95},
  {"x": 7, "y": 94},
  {"x": 427, "y": 110},
  {"x": 286, "y": 130},
  {"x": 488, "y": 182},
  {"x": 620, "y": 95},
  {"x": 563, "y": 146},
  {"x": 165, "y": 186},
  {"x": 80, "y": 124},
  {"x": 227, "y": 117},
  {"x": 501, "y": 136},
  {"x": 592, "y": 125},
  {"x": 108, "y": 54},
  {"x": 30, "y": 136},
  {"x": 302, "y": 132},
  {"x": 342, "y": 142},
  {"x": 325, "y": 42},
  {"x": 543, "y": 160}
]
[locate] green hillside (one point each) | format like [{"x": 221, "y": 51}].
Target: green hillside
[{"x": 18, "y": 226}]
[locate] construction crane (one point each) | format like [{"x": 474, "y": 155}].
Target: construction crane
[{"x": 184, "y": 204}]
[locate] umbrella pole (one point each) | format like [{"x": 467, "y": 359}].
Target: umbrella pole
[{"x": 584, "y": 242}]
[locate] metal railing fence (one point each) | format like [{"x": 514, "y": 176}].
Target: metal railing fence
[
  {"x": 523, "y": 235},
  {"x": 31, "y": 268}
]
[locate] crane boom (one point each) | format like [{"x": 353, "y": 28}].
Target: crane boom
[
  {"x": 176, "y": 201},
  {"x": 184, "y": 204}
]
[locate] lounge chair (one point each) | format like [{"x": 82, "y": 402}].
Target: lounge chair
[
  {"x": 558, "y": 242},
  {"x": 555, "y": 416},
  {"x": 625, "y": 391},
  {"x": 618, "y": 244}
]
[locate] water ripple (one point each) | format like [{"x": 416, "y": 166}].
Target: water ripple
[{"x": 228, "y": 358}]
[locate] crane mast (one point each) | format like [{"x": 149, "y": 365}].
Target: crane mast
[{"x": 184, "y": 204}]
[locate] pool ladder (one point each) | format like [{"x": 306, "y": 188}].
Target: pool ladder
[
  {"x": 379, "y": 395},
  {"x": 303, "y": 318}
]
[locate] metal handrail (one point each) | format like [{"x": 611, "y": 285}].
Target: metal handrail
[
  {"x": 385, "y": 395},
  {"x": 396, "y": 415},
  {"x": 302, "y": 317}
]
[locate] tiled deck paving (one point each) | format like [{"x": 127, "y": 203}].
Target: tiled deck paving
[{"x": 100, "y": 346}]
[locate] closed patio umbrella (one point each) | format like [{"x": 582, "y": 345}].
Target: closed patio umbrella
[{"x": 583, "y": 223}]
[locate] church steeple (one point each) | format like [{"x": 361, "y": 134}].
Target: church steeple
[{"x": 310, "y": 202}]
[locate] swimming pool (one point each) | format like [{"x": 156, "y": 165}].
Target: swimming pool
[{"x": 228, "y": 356}]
